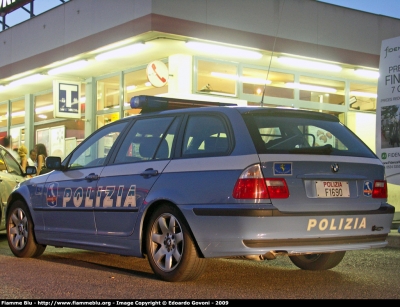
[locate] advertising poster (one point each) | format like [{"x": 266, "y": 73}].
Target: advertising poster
[
  {"x": 57, "y": 141},
  {"x": 388, "y": 109},
  {"x": 42, "y": 136}
]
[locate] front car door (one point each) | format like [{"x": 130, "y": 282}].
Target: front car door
[{"x": 68, "y": 197}]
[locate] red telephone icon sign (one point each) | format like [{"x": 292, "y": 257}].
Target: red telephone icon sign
[{"x": 155, "y": 71}]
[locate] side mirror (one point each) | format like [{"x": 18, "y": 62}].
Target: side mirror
[
  {"x": 30, "y": 170},
  {"x": 53, "y": 162}
]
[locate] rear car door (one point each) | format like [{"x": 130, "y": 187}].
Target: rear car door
[{"x": 136, "y": 166}]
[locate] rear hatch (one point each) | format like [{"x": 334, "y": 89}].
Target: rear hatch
[{"x": 325, "y": 166}]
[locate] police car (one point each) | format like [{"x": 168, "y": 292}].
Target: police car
[{"x": 186, "y": 180}]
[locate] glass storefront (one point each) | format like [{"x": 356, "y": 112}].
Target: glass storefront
[{"x": 210, "y": 77}]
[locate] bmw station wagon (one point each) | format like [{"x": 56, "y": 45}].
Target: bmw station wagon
[{"x": 185, "y": 180}]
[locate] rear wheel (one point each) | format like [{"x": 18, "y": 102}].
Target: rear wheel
[
  {"x": 170, "y": 248},
  {"x": 315, "y": 262},
  {"x": 20, "y": 235}
]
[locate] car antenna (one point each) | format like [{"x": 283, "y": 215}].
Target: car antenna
[{"x": 272, "y": 54}]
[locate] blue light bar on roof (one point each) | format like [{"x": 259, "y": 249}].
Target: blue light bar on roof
[{"x": 153, "y": 103}]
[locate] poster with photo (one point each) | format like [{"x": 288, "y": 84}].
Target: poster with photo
[{"x": 387, "y": 110}]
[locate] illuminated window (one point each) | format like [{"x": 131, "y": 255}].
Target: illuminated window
[
  {"x": 216, "y": 78},
  {"x": 254, "y": 81},
  {"x": 136, "y": 83},
  {"x": 320, "y": 90},
  {"x": 108, "y": 93},
  {"x": 363, "y": 97},
  {"x": 44, "y": 107},
  {"x": 3, "y": 115},
  {"x": 18, "y": 112}
]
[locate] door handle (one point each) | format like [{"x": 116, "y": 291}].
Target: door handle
[
  {"x": 149, "y": 173},
  {"x": 92, "y": 177}
]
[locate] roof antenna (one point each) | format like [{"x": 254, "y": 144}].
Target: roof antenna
[{"x": 272, "y": 54}]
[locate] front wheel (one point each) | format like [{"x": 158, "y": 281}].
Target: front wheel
[
  {"x": 317, "y": 262},
  {"x": 170, "y": 248},
  {"x": 20, "y": 235}
]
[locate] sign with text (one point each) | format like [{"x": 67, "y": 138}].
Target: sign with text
[
  {"x": 388, "y": 109},
  {"x": 66, "y": 99}
]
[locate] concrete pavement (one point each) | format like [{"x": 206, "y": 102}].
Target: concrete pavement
[{"x": 394, "y": 238}]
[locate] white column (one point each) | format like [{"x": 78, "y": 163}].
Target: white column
[{"x": 180, "y": 74}]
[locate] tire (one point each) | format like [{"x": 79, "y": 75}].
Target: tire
[
  {"x": 317, "y": 262},
  {"x": 170, "y": 248},
  {"x": 20, "y": 235}
]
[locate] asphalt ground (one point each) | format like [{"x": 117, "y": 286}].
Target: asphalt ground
[{"x": 63, "y": 273}]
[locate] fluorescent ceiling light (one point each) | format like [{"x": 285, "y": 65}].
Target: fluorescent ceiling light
[
  {"x": 29, "y": 79},
  {"x": 225, "y": 76},
  {"x": 68, "y": 67},
  {"x": 251, "y": 80},
  {"x": 131, "y": 87},
  {"x": 1, "y": 87},
  {"x": 18, "y": 114},
  {"x": 224, "y": 50},
  {"x": 364, "y": 94},
  {"x": 37, "y": 111},
  {"x": 367, "y": 73},
  {"x": 314, "y": 88},
  {"x": 121, "y": 52},
  {"x": 309, "y": 64},
  {"x": 43, "y": 109}
]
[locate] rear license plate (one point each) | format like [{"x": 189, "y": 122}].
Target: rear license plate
[{"x": 332, "y": 189}]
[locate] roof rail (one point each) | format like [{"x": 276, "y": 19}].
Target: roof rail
[{"x": 155, "y": 103}]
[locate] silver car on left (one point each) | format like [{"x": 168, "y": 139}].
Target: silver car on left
[{"x": 11, "y": 174}]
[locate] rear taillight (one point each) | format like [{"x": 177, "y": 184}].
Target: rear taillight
[
  {"x": 277, "y": 188},
  {"x": 380, "y": 189},
  {"x": 252, "y": 185}
]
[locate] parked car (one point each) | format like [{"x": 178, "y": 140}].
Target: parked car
[
  {"x": 182, "y": 185},
  {"x": 11, "y": 174}
]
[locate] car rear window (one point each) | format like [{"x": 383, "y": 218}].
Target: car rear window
[{"x": 300, "y": 133}]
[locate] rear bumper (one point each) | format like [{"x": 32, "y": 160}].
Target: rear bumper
[{"x": 240, "y": 231}]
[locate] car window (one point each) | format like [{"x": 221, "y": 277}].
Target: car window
[
  {"x": 3, "y": 166},
  {"x": 294, "y": 135},
  {"x": 205, "y": 135},
  {"x": 95, "y": 149},
  {"x": 8, "y": 163},
  {"x": 148, "y": 139}
]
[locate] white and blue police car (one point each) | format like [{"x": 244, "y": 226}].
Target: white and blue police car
[{"x": 187, "y": 180}]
